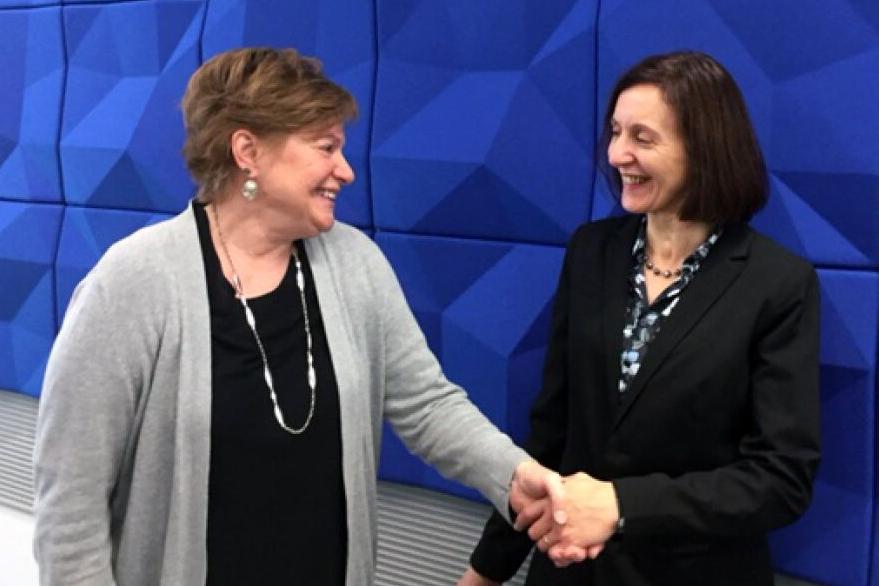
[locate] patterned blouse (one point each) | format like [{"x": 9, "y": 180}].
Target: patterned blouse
[{"x": 643, "y": 319}]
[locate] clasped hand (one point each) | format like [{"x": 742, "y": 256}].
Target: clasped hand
[
  {"x": 569, "y": 518},
  {"x": 571, "y": 523}
]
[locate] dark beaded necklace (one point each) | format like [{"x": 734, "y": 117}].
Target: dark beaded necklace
[{"x": 665, "y": 274}]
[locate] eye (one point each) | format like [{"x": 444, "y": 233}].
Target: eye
[{"x": 642, "y": 138}]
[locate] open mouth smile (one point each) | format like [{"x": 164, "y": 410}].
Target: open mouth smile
[{"x": 634, "y": 179}]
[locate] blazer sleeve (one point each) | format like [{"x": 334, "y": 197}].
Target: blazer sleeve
[
  {"x": 770, "y": 483},
  {"x": 501, "y": 549}
]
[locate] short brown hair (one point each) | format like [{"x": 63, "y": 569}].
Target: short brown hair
[
  {"x": 726, "y": 180},
  {"x": 264, "y": 90}
]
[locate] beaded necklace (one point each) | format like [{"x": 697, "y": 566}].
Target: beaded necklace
[{"x": 251, "y": 321}]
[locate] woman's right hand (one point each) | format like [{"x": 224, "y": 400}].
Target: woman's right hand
[{"x": 471, "y": 578}]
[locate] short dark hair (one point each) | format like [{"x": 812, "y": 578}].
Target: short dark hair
[{"x": 726, "y": 179}]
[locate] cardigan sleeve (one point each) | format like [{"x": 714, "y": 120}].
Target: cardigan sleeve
[
  {"x": 99, "y": 361},
  {"x": 770, "y": 483},
  {"x": 432, "y": 416},
  {"x": 501, "y": 550}
]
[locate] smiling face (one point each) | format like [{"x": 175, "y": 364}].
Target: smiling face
[
  {"x": 300, "y": 176},
  {"x": 647, "y": 150}
]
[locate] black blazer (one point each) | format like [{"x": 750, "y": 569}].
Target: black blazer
[{"x": 716, "y": 441}]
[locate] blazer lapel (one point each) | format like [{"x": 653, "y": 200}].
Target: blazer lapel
[
  {"x": 617, "y": 268},
  {"x": 719, "y": 270}
]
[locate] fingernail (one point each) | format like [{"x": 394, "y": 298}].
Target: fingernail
[{"x": 560, "y": 517}]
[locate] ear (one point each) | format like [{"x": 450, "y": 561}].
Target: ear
[{"x": 245, "y": 149}]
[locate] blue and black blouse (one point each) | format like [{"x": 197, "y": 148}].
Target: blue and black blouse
[{"x": 644, "y": 319}]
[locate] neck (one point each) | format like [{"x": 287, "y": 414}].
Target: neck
[
  {"x": 245, "y": 229},
  {"x": 671, "y": 240}
]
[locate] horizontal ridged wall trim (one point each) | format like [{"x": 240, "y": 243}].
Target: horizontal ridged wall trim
[
  {"x": 425, "y": 538},
  {"x": 18, "y": 420}
]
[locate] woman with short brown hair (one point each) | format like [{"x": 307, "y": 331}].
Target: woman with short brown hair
[{"x": 213, "y": 405}]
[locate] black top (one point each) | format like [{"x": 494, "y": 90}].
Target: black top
[{"x": 276, "y": 501}]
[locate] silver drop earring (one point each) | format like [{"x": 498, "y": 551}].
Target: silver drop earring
[{"x": 250, "y": 188}]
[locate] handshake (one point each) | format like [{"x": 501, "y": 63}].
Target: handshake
[{"x": 569, "y": 519}]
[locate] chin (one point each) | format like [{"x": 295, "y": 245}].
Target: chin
[
  {"x": 634, "y": 206},
  {"x": 325, "y": 224}
]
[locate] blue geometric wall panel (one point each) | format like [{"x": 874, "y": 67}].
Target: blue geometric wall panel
[
  {"x": 341, "y": 34},
  {"x": 6, "y": 4},
  {"x": 122, "y": 131},
  {"x": 809, "y": 74},
  {"x": 831, "y": 543},
  {"x": 86, "y": 234},
  {"x": 484, "y": 118},
  {"x": 484, "y": 308},
  {"x": 28, "y": 238},
  {"x": 32, "y": 62}
]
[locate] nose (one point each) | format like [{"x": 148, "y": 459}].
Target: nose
[
  {"x": 618, "y": 152},
  {"x": 343, "y": 172}
]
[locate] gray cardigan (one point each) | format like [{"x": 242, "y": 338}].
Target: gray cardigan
[{"x": 123, "y": 435}]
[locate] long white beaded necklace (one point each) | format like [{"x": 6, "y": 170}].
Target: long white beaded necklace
[{"x": 251, "y": 321}]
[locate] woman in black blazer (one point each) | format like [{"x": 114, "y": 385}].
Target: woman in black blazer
[{"x": 680, "y": 391}]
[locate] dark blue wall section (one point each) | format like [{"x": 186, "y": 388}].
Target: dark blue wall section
[
  {"x": 4, "y": 4},
  {"x": 31, "y": 111},
  {"x": 483, "y": 118},
  {"x": 122, "y": 135},
  {"x": 28, "y": 240},
  {"x": 474, "y": 153}
]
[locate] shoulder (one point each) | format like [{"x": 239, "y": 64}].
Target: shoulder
[
  {"x": 782, "y": 281},
  {"x": 594, "y": 237},
  {"x": 353, "y": 261},
  {"x": 343, "y": 235},
  {"x": 349, "y": 249},
  {"x": 768, "y": 250},
  {"x": 601, "y": 231},
  {"x": 145, "y": 260},
  {"x": 772, "y": 262},
  {"x": 605, "y": 227}
]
